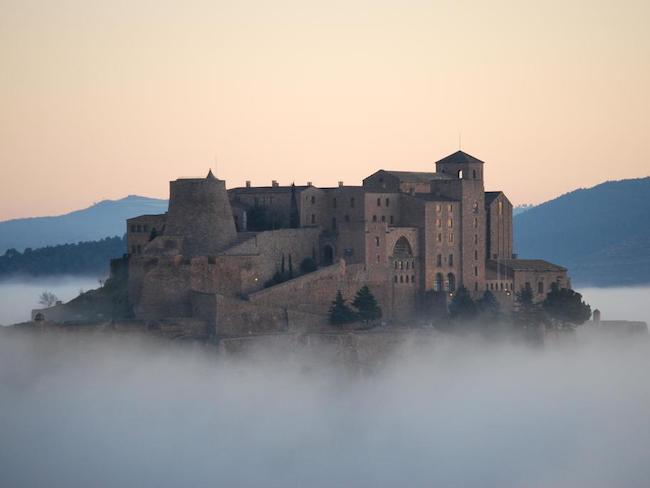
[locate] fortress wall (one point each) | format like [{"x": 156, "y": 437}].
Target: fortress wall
[
  {"x": 314, "y": 292},
  {"x": 236, "y": 317},
  {"x": 262, "y": 255}
]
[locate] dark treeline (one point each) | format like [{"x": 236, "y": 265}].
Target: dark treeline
[{"x": 83, "y": 258}]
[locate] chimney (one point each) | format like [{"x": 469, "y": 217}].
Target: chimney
[
  {"x": 309, "y": 183},
  {"x": 274, "y": 183},
  {"x": 340, "y": 184},
  {"x": 248, "y": 183}
]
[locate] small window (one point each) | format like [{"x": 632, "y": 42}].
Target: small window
[
  {"x": 438, "y": 222},
  {"x": 451, "y": 237},
  {"x": 412, "y": 278},
  {"x": 450, "y": 223},
  {"x": 377, "y": 241},
  {"x": 439, "y": 237},
  {"x": 450, "y": 208},
  {"x": 438, "y": 208},
  {"x": 476, "y": 254},
  {"x": 475, "y": 223},
  {"x": 396, "y": 264},
  {"x": 451, "y": 260},
  {"x": 391, "y": 219},
  {"x": 313, "y": 218},
  {"x": 475, "y": 270},
  {"x": 379, "y": 202},
  {"x": 474, "y": 173},
  {"x": 401, "y": 279},
  {"x": 133, "y": 228},
  {"x": 408, "y": 265},
  {"x": 351, "y": 202},
  {"x": 475, "y": 238},
  {"x": 406, "y": 278},
  {"x": 439, "y": 260},
  {"x": 388, "y": 202},
  {"x": 378, "y": 258},
  {"x": 383, "y": 218},
  {"x": 374, "y": 218},
  {"x": 501, "y": 286},
  {"x": 395, "y": 278},
  {"x": 313, "y": 200}
]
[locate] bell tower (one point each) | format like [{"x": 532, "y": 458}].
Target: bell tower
[{"x": 461, "y": 165}]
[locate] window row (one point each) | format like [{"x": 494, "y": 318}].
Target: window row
[
  {"x": 335, "y": 202},
  {"x": 450, "y": 208},
  {"x": 391, "y": 219},
  {"x": 404, "y": 279},
  {"x": 450, "y": 237},
  {"x": 498, "y": 286},
  {"x": 139, "y": 228},
  {"x": 450, "y": 260},
  {"x": 405, "y": 264}
]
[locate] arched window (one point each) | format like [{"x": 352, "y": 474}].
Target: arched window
[
  {"x": 474, "y": 173},
  {"x": 402, "y": 248},
  {"x": 460, "y": 174},
  {"x": 438, "y": 284},
  {"x": 451, "y": 282}
]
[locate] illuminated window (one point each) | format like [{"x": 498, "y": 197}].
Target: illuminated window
[
  {"x": 439, "y": 222},
  {"x": 451, "y": 237}
]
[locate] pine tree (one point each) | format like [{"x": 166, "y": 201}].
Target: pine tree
[
  {"x": 527, "y": 313},
  {"x": 366, "y": 304},
  {"x": 339, "y": 312},
  {"x": 565, "y": 308},
  {"x": 462, "y": 307},
  {"x": 488, "y": 306}
]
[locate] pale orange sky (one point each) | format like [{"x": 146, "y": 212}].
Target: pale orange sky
[{"x": 103, "y": 99}]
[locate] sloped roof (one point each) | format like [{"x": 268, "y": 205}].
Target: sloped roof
[
  {"x": 460, "y": 157},
  {"x": 490, "y": 196},
  {"x": 527, "y": 265},
  {"x": 416, "y": 176}
]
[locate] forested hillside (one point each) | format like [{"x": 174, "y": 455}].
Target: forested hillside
[
  {"x": 106, "y": 218},
  {"x": 602, "y": 234},
  {"x": 84, "y": 258}
]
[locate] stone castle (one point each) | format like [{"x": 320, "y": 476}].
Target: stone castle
[{"x": 265, "y": 259}]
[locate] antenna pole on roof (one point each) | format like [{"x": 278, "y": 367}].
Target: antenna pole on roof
[{"x": 459, "y": 141}]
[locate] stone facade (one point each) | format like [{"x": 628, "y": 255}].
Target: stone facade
[{"x": 233, "y": 258}]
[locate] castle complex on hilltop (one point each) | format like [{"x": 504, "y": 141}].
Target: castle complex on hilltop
[{"x": 262, "y": 259}]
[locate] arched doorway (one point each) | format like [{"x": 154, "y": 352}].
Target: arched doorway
[{"x": 328, "y": 255}]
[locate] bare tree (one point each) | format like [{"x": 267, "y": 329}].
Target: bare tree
[{"x": 47, "y": 299}]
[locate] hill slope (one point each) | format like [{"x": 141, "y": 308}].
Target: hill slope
[
  {"x": 106, "y": 218},
  {"x": 602, "y": 234}
]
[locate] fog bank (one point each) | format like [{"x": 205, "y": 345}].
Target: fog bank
[
  {"x": 79, "y": 411},
  {"x": 18, "y": 296}
]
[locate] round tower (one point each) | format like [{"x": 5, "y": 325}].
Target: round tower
[{"x": 199, "y": 211}]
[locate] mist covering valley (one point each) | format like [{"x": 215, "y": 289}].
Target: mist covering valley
[{"x": 80, "y": 410}]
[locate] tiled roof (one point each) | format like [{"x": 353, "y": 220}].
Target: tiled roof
[{"x": 460, "y": 157}]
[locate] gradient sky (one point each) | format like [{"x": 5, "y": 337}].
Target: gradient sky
[{"x": 100, "y": 99}]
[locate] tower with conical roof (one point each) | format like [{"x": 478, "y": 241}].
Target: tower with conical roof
[{"x": 200, "y": 213}]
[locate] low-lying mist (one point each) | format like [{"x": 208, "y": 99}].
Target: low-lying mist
[
  {"x": 108, "y": 411},
  {"x": 19, "y": 295}
]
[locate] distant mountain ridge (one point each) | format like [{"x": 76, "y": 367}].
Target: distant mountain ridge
[
  {"x": 602, "y": 234},
  {"x": 106, "y": 218}
]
